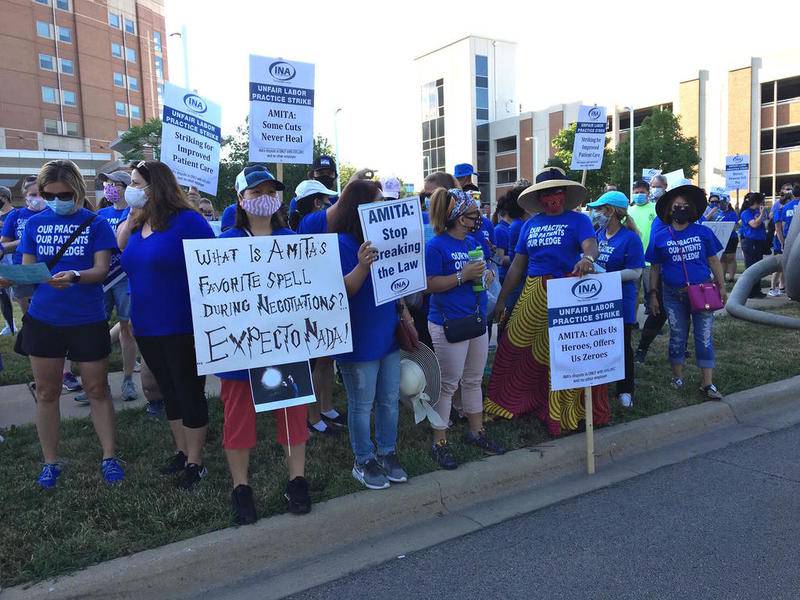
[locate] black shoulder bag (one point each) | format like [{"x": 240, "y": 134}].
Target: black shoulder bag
[{"x": 465, "y": 328}]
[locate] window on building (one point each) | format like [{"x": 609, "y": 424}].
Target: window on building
[
  {"x": 788, "y": 89},
  {"x": 113, "y": 20},
  {"x": 481, "y": 66},
  {"x": 67, "y": 66},
  {"x": 130, "y": 55},
  {"x": 159, "y": 67},
  {"x": 51, "y": 126},
  {"x": 65, "y": 35},
  {"x": 116, "y": 50},
  {"x": 157, "y": 41},
  {"x": 121, "y": 109},
  {"x": 433, "y": 127},
  {"x": 44, "y": 29},
  {"x": 768, "y": 92},
  {"x": 787, "y": 137},
  {"x": 49, "y": 95},
  {"x": 69, "y": 98},
  {"x": 160, "y": 89},
  {"x": 767, "y": 140},
  {"x": 481, "y": 87},
  {"x": 136, "y": 112},
  {"x": 482, "y": 154},
  {"x": 508, "y": 144},
  {"x": 133, "y": 83},
  {"x": 71, "y": 129},
  {"x": 45, "y": 2},
  {"x": 62, "y": 4},
  {"x": 130, "y": 26},
  {"x": 47, "y": 62},
  {"x": 506, "y": 176},
  {"x": 119, "y": 79}
]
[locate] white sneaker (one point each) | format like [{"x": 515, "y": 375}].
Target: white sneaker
[
  {"x": 6, "y": 331},
  {"x": 626, "y": 400},
  {"x": 774, "y": 293}
]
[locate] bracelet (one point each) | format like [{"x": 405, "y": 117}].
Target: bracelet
[
  {"x": 459, "y": 277},
  {"x": 588, "y": 257}
]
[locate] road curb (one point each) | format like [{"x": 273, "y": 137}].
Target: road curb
[{"x": 281, "y": 543}]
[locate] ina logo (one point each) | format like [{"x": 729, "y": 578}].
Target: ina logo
[
  {"x": 586, "y": 289},
  {"x": 195, "y": 103},
  {"x": 595, "y": 113},
  {"x": 738, "y": 158},
  {"x": 399, "y": 285},
  {"x": 282, "y": 71}
]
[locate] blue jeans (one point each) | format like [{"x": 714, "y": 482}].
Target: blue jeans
[
  {"x": 678, "y": 310},
  {"x": 373, "y": 383}
]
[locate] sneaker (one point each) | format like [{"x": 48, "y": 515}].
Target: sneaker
[
  {"x": 711, "y": 392},
  {"x": 371, "y": 475},
  {"x": 49, "y": 476},
  {"x": 81, "y": 399},
  {"x": 392, "y": 468},
  {"x": 6, "y": 331},
  {"x": 155, "y": 408},
  {"x": 639, "y": 356},
  {"x": 244, "y": 508},
  {"x": 773, "y": 293},
  {"x": 191, "y": 476},
  {"x": 626, "y": 400},
  {"x": 297, "y": 497},
  {"x": 443, "y": 455},
  {"x": 328, "y": 431},
  {"x": 137, "y": 366},
  {"x": 676, "y": 383},
  {"x": 128, "y": 390},
  {"x": 112, "y": 472},
  {"x": 174, "y": 465},
  {"x": 71, "y": 383},
  {"x": 339, "y": 421},
  {"x": 482, "y": 441}
]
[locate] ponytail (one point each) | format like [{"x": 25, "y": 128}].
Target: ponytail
[{"x": 440, "y": 210}]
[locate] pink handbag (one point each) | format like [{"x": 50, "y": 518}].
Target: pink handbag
[{"x": 703, "y": 297}]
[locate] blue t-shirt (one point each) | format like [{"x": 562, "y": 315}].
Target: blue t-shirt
[
  {"x": 513, "y": 237},
  {"x": 553, "y": 243},
  {"x": 444, "y": 255},
  {"x": 157, "y": 273},
  {"x": 623, "y": 250},
  {"x": 235, "y": 232},
  {"x": 786, "y": 215},
  {"x": 485, "y": 236},
  {"x": 45, "y": 233},
  {"x": 315, "y": 222},
  {"x": 114, "y": 217},
  {"x": 373, "y": 326},
  {"x": 228, "y": 218},
  {"x": 501, "y": 241},
  {"x": 426, "y": 218},
  {"x": 14, "y": 226},
  {"x": 698, "y": 243},
  {"x": 751, "y": 233}
]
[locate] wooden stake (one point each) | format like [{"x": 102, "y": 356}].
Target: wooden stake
[
  {"x": 583, "y": 178},
  {"x": 279, "y": 176},
  {"x": 587, "y": 395}
]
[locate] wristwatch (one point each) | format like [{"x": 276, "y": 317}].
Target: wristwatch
[
  {"x": 76, "y": 277},
  {"x": 459, "y": 277},
  {"x": 589, "y": 258}
]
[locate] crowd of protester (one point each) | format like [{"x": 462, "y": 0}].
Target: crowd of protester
[{"x": 127, "y": 259}]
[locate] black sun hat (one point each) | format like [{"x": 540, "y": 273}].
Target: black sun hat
[{"x": 691, "y": 193}]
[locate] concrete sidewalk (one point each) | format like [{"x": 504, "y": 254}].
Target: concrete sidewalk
[{"x": 17, "y": 406}]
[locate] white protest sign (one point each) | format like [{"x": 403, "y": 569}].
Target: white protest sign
[
  {"x": 674, "y": 178},
  {"x": 648, "y": 174},
  {"x": 737, "y": 172},
  {"x": 190, "y": 138},
  {"x": 395, "y": 229},
  {"x": 281, "y": 110},
  {"x": 722, "y": 231},
  {"x": 281, "y": 386},
  {"x": 590, "y": 138},
  {"x": 266, "y": 300},
  {"x": 584, "y": 317}
]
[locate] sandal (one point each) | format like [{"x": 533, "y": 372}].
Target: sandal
[{"x": 711, "y": 392}]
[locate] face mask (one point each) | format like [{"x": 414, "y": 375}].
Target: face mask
[
  {"x": 656, "y": 193},
  {"x": 262, "y": 206},
  {"x": 327, "y": 180},
  {"x": 135, "y": 197},
  {"x": 111, "y": 192},
  {"x": 681, "y": 214},
  {"x": 600, "y": 219},
  {"x": 553, "y": 204},
  {"x": 640, "y": 199},
  {"x": 35, "y": 203},
  {"x": 62, "y": 206}
]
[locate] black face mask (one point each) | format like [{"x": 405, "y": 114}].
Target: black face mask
[
  {"x": 681, "y": 214},
  {"x": 327, "y": 180}
]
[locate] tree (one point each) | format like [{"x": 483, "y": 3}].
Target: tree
[
  {"x": 142, "y": 141},
  {"x": 658, "y": 144},
  {"x": 595, "y": 179}
]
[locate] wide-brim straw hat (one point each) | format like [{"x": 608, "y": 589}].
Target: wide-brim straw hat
[
  {"x": 547, "y": 179},
  {"x": 691, "y": 193},
  {"x": 427, "y": 361}
]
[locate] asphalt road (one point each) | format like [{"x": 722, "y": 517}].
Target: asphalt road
[{"x": 723, "y": 525}]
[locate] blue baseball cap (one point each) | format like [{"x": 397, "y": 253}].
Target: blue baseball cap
[
  {"x": 464, "y": 170},
  {"x": 612, "y": 198},
  {"x": 253, "y": 175}
]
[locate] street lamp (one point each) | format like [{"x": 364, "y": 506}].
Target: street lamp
[
  {"x": 535, "y": 155},
  {"x": 630, "y": 108},
  {"x": 336, "y": 144},
  {"x": 185, "y": 42}
]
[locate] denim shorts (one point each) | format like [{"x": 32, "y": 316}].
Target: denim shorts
[{"x": 120, "y": 296}]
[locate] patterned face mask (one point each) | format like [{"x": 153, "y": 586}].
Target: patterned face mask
[{"x": 264, "y": 205}]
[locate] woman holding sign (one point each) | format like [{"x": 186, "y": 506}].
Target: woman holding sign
[
  {"x": 66, "y": 316},
  {"x": 684, "y": 254},
  {"x": 151, "y": 240},
  {"x": 555, "y": 242},
  {"x": 257, "y": 214}
]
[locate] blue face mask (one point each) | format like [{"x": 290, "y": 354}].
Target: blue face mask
[
  {"x": 640, "y": 199},
  {"x": 62, "y": 206},
  {"x": 656, "y": 193},
  {"x": 599, "y": 219}
]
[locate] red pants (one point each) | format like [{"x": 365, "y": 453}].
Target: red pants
[{"x": 239, "y": 426}]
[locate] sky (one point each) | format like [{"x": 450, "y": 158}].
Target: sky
[{"x": 624, "y": 52}]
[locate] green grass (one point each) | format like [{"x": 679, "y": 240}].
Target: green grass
[{"x": 82, "y": 522}]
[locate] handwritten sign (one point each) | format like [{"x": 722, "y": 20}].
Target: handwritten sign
[
  {"x": 584, "y": 317},
  {"x": 266, "y": 300},
  {"x": 282, "y": 386},
  {"x": 590, "y": 138},
  {"x": 190, "y": 138},
  {"x": 737, "y": 172},
  {"x": 395, "y": 229}
]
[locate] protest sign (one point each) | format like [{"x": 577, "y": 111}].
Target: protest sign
[
  {"x": 674, "y": 178},
  {"x": 281, "y": 111},
  {"x": 266, "y": 300},
  {"x": 648, "y": 174},
  {"x": 395, "y": 229},
  {"x": 737, "y": 172},
  {"x": 25, "y": 274},
  {"x": 281, "y": 386},
  {"x": 722, "y": 231},
  {"x": 584, "y": 317},
  {"x": 190, "y": 138},
  {"x": 590, "y": 138}
]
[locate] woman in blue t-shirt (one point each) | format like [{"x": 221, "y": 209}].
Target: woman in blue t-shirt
[
  {"x": 681, "y": 254},
  {"x": 371, "y": 372},
  {"x": 556, "y": 242},
  {"x": 728, "y": 258},
  {"x": 66, "y": 316},
  {"x": 753, "y": 233},
  {"x": 151, "y": 240},
  {"x": 620, "y": 249},
  {"x": 453, "y": 276}
]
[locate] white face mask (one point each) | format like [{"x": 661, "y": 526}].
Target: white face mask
[{"x": 135, "y": 197}]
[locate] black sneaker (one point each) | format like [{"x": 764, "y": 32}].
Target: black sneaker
[
  {"x": 191, "y": 476},
  {"x": 244, "y": 509},
  {"x": 298, "y": 501},
  {"x": 443, "y": 456},
  {"x": 340, "y": 420},
  {"x": 174, "y": 465},
  {"x": 482, "y": 441}
]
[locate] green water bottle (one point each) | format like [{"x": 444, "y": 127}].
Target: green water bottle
[{"x": 476, "y": 255}]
